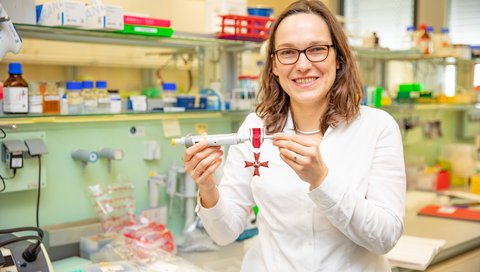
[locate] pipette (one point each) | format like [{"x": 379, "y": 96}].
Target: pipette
[{"x": 216, "y": 139}]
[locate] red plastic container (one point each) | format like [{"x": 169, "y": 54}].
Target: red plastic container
[{"x": 247, "y": 28}]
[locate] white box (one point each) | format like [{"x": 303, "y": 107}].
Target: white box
[
  {"x": 62, "y": 13},
  {"x": 107, "y": 17},
  {"x": 21, "y": 11},
  {"x": 214, "y": 8}
]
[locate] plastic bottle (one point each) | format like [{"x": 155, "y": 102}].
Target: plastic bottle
[
  {"x": 408, "y": 40},
  {"x": 169, "y": 95},
  {"x": 15, "y": 90},
  {"x": 115, "y": 101},
  {"x": 424, "y": 40},
  {"x": 102, "y": 96},
  {"x": 74, "y": 98},
  {"x": 90, "y": 103},
  {"x": 34, "y": 98},
  {"x": 51, "y": 99},
  {"x": 445, "y": 38}
]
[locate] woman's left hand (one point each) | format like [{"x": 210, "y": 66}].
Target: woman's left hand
[{"x": 302, "y": 154}]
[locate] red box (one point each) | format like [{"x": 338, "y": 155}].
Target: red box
[{"x": 247, "y": 28}]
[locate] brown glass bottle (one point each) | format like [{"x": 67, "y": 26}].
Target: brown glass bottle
[{"x": 15, "y": 91}]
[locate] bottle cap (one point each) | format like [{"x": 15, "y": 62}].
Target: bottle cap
[
  {"x": 73, "y": 86},
  {"x": 169, "y": 86},
  {"x": 101, "y": 84},
  {"x": 15, "y": 68},
  {"x": 444, "y": 30},
  {"x": 87, "y": 84},
  {"x": 410, "y": 28}
]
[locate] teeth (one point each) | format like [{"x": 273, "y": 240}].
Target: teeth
[{"x": 304, "y": 80}]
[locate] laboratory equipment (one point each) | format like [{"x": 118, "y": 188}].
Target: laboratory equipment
[
  {"x": 15, "y": 90},
  {"x": 102, "y": 96},
  {"x": 90, "y": 103},
  {"x": 51, "y": 99},
  {"x": 12, "y": 153},
  {"x": 10, "y": 41},
  {"x": 85, "y": 156},
  {"x": 111, "y": 154},
  {"x": 220, "y": 139},
  {"x": 19, "y": 254}
]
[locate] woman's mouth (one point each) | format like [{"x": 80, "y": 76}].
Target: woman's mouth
[{"x": 306, "y": 80}]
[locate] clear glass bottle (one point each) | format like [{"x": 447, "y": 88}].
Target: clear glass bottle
[
  {"x": 408, "y": 40},
  {"x": 169, "y": 95},
  {"x": 35, "y": 98},
  {"x": 74, "y": 98},
  {"x": 15, "y": 90},
  {"x": 445, "y": 38},
  {"x": 90, "y": 103},
  {"x": 51, "y": 99},
  {"x": 102, "y": 96}
]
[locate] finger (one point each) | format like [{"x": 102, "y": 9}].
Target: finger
[
  {"x": 209, "y": 171},
  {"x": 293, "y": 147},
  {"x": 200, "y": 155},
  {"x": 194, "y": 149},
  {"x": 203, "y": 164},
  {"x": 290, "y": 162}
]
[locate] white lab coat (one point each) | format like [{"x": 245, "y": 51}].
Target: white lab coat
[{"x": 345, "y": 224}]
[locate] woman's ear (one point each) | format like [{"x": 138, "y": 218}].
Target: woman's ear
[{"x": 274, "y": 66}]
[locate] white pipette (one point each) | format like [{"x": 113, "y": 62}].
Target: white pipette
[{"x": 216, "y": 139}]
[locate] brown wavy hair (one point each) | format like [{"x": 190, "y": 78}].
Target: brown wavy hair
[{"x": 343, "y": 98}]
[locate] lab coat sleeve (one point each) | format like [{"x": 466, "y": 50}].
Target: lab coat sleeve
[
  {"x": 226, "y": 220},
  {"x": 375, "y": 220}
]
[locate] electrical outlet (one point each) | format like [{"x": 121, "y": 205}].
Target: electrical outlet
[{"x": 26, "y": 177}]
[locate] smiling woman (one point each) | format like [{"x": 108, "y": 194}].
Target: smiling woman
[{"x": 333, "y": 195}]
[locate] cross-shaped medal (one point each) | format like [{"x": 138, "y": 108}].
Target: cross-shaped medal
[{"x": 257, "y": 139}]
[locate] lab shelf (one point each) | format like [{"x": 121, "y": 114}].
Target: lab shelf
[
  {"x": 178, "y": 40},
  {"x": 406, "y": 55},
  {"x": 22, "y": 119},
  {"x": 429, "y": 107}
]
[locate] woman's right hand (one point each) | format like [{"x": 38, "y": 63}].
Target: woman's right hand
[{"x": 201, "y": 161}]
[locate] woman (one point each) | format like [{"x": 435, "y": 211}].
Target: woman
[{"x": 333, "y": 195}]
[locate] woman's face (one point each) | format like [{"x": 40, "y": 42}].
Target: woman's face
[{"x": 306, "y": 82}]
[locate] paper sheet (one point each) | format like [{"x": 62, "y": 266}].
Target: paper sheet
[{"x": 414, "y": 252}]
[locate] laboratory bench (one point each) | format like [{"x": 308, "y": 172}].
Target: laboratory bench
[{"x": 461, "y": 251}]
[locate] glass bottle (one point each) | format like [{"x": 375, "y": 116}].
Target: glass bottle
[
  {"x": 74, "y": 98},
  {"x": 169, "y": 94},
  {"x": 15, "y": 90},
  {"x": 34, "y": 98},
  {"x": 90, "y": 103},
  {"x": 445, "y": 38},
  {"x": 425, "y": 40},
  {"x": 102, "y": 96},
  {"x": 51, "y": 99},
  {"x": 115, "y": 101},
  {"x": 408, "y": 40}
]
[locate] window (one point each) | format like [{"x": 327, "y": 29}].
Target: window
[
  {"x": 464, "y": 21},
  {"x": 389, "y": 19}
]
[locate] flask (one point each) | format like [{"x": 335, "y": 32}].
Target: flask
[
  {"x": 51, "y": 99},
  {"x": 34, "y": 98},
  {"x": 90, "y": 103},
  {"x": 102, "y": 96},
  {"x": 15, "y": 90},
  {"x": 74, "y": 98},
  {"x": 169, "y": 94}
]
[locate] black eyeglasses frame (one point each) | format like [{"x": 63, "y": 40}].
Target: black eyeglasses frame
[{"x": 304, "y": 51}]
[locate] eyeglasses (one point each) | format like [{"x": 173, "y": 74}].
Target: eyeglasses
[{"x": 314, "y": 53}]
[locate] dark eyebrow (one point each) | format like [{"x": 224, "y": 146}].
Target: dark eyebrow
[{"x": 290, "y": 45}]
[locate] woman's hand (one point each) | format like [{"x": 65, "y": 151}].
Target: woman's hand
[
  {"x": 302, "y": 154},
  {"x": 201, "y": 161}
]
